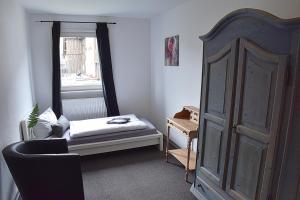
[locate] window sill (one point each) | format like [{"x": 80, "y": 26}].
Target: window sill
[
  {"x": 81, "y": 94},
  {"x": 80, "y": 88}
]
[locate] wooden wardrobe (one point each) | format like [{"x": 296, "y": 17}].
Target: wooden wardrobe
[{"x": 249, "y": 132}]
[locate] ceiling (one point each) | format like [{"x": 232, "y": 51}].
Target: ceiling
[{"x": 118, "y": 8}]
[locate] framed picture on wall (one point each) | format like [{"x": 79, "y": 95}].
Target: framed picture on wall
[{"x": 172, "y": 51}]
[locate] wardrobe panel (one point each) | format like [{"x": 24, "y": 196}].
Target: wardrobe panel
[
  {"x": 259, "y": 79},
  {"x": 213, "y": 140},
  {"x": 217, "y": 75},
  {"x": 250, "y": 157}
]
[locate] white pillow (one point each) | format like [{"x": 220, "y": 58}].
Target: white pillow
[
  {"x": 48, "y": 115},
  {"x": 43, "y": 127}
]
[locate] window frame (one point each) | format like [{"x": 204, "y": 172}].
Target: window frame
[{"x": 80, "y": 91}]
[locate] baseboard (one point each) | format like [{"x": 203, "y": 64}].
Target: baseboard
[
  {"x": 197, "y": 194},
  {"x": 18, "y": 196},
  {"x": 171, "y": 143}
]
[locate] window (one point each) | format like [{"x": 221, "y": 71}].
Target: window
[
  {"x": 81, "y": 84},
  {"x": 79, "y": 63}
]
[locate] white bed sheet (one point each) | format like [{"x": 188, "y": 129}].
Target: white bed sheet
[{"x": 99, "y": 126}]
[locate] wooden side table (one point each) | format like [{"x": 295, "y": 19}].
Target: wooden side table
[{"x": 187, "y": 122}]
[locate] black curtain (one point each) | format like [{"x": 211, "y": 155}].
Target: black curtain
[
  {"x": 56, "y": 84},
  {"x": 108, "y": 85}
]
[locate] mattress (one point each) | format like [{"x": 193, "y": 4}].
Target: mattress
[
  {"x": 148, "y": 130},
  {"x": 99, "y": 126}
]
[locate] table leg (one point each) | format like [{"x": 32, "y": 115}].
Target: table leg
[
  {"x": 167, "y": 144},
  {"x": 188, "y": 158}
]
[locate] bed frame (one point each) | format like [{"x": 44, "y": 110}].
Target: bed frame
[{"x": 107, "y": 146}]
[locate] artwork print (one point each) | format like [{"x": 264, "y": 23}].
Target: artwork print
[{"x": 172, "y": 51}]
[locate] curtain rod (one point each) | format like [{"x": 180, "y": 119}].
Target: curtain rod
[{"x": 79, "y": 22}]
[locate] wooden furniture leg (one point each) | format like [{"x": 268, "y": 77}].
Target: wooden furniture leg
[
  {"x": 188, "y": 159},
  {"x": 167, "y": 144}
]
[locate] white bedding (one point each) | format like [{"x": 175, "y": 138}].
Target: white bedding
[{"x": 98, "y": 126}]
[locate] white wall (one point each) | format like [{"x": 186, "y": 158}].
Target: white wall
[
  {"x": 130, "y": 51},
  {"x": 15, "y": 87},
  {"x": 173, "y": 87}
]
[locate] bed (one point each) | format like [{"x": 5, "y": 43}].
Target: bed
[{"x": 107, "y": 141}]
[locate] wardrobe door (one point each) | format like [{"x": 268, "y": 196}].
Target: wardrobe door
[
  {"x": 259, "y": 91},
  {"x": 217, "y": 95}
]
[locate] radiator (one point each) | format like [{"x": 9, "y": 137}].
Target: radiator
[{"x": 84, "y": 108}]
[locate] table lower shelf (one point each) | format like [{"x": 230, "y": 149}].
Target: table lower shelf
[{"x": 181, "y": 156}]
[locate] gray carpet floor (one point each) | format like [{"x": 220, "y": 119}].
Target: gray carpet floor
[{"x": 137, "y": 174}]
